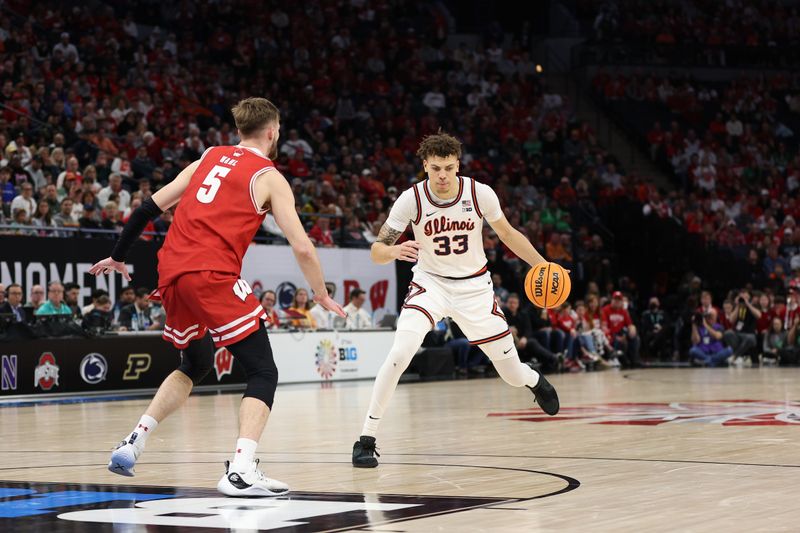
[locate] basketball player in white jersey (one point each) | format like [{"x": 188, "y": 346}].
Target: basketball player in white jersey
[{"x": 446, "y": 212}]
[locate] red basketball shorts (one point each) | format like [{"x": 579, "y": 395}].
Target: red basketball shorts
[{"x": 204, "y": 301}]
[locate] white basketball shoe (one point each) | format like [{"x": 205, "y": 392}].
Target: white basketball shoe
[
  {"x": 123, "y": 459},
  {"x": 251, "y": 482}
]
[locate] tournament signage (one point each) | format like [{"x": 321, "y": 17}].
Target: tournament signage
[
  {"x": 142, "y": 361},
  {"x": 32, "y": 261},
  {"x": 275, "y": 268}
]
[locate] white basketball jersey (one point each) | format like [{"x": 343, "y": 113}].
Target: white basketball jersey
[{"x": 450, "y": 233}]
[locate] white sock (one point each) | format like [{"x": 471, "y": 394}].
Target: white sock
[
  {"x": 245, "y": 453},
  {"x": 405, "y": 346},
  {"x": 138, "y": 437}
]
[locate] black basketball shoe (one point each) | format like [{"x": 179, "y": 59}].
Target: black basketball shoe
[
  {"x": 364, "y": 452},
  {"x": 546, "y": 396}
]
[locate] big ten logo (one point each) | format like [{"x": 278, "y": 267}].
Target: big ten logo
[
  {"x": 138, "y": 364},
  {"x": 348, "y": 353},
  {"x": 223, "y": 362},
  {"x": 377, "y": 293}
]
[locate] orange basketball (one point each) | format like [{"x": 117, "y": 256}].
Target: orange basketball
[{"x": 547, "y": 285}]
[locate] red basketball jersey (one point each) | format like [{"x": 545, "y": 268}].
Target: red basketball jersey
[{"x": 217, "y": 216}]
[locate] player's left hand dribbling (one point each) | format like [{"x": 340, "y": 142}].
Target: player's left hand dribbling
[
  {"x": 330, "y": 304},
  {"x": 107, "y": 266}
]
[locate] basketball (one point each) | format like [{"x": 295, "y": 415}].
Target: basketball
[{"x": 547, "y": 285}]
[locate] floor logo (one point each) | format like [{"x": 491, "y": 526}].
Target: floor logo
[
  {"x": 722, "y": 412},
  {"x": 94, "y": 368},
  {"x": 223, "y": 362},
  {"x": 8, "y": 372},
  {"x": 327, "y": 357},
  {"x": 138, "y": 364},
  {"x": 46, "y": 373}
]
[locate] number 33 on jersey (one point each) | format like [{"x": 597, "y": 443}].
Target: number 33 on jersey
[{"x": 450, "y": 232}]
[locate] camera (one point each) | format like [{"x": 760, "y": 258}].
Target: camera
[
  {"x": 698, "y": 318},
  {"x": 740, "y": 300}
]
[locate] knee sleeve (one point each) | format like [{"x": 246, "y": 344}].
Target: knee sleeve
[
  {"x": 197, "y": 359},
  {"x": 254, "y": 353},
  {"x": 404, "y": 348},
  {"x": 515, "y": 373}
]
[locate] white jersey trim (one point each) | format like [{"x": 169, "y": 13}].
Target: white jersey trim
[{"x": 260, "y": 210}]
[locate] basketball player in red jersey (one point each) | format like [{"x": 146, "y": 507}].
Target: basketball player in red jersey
[{"x": 224, "y": 197}]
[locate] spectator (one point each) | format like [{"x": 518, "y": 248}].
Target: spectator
[
  {"x": 620, "y": 330},
  {"x": 500, "y": 292},
  {"x": 655, "y": 331},
  {"x": 127, "y": 296},
  {"x": 530, "y": 349},
  {"x": 112, "y": 218},
  {"x": 139, "y": 316},
  {"x": 13, "y": 303},
  {"x": 707, "y": 348},
  {"x": 55, "y": 301},
  {"x": 97, "y": 293},
  {"x": 65, "y": 219},
  {"x": 354, "y": 234},
  {"x": 301, "y": 311},
  {"x": 72, "y": 292},
  {"x": 775, "y": 342},
  {"x": 65, "y": 50},
  {"x": 548, "y": 336},
  {"x": 267, "y": 300},
  {"x": 357, "y": 316},
  {"x": 42, "y": 218},
  {"x": 25, "y": 201},
  {"x": 37, "y": 297},
  {"x": 741, "y": 336},
  {"x": 99, "y": 318},
  {"x": 115, "y": 187},
  {"x": 321, "y": 233},
  {"x": 89, "y": 219},
  {"x": 296, "y": 143}
]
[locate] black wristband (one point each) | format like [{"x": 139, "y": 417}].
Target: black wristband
[{"x": 134, "y": 228}]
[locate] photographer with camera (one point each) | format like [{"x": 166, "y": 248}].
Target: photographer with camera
[
  {"x": 707, "y": 348},
  {"x": 742, "y": 335}
]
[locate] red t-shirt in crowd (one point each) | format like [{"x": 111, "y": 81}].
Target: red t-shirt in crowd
[{"x": 614, "y": 319}]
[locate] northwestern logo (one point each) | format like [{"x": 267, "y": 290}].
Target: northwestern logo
[
  {"x": 8, "y": 372},
  {"x": 326, "y": 359},
  {"x": 223, "y": 362},
  {"x": 285, "y": 292},
  {"x": 46, "y": 373},
  {"x": 94, "y": 368}
]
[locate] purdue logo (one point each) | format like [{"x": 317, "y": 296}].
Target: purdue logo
[
  {"x": 538, "y": 285},
  {"x": 138, "y": 364},
  {"x": 554, "y": 284}
]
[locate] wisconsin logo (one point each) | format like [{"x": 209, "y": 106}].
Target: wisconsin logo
[
  {"x": 327, "y": 358},
  {"x": 720, "y": 412},
  {"x": 223, "y": 362},
  {"x": 46, "y": 373}
]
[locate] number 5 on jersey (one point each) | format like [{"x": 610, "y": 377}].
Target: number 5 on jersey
[{"x": 208, "y": 190}]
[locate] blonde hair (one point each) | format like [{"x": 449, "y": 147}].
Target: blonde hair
[{"x": 254, "y": 114}]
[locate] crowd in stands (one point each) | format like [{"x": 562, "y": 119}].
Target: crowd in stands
[
  {"x": 80, "y": 151},
  {"x": 706, "y": 32}
]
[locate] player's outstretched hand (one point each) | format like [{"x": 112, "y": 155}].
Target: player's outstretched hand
[
  {"x": 108, "y": 265},
  {"x": 407, "y": 251},
  {"x": 330, "y": 304}
]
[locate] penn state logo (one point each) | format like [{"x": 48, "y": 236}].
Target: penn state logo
[
  {"x": 285, "y": 292},
  {"x": 94, "y": 368}
]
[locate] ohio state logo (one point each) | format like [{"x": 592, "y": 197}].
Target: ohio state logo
[
  {"x": 223, "y": 362},
  {"x": 46, "y": 373},
  {"x": 721, "y": 412}
]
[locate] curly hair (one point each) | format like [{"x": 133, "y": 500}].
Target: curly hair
[{"x": 439, "y": 144}]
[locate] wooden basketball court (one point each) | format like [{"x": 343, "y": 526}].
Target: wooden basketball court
[{"x": 645, "y": 450}]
